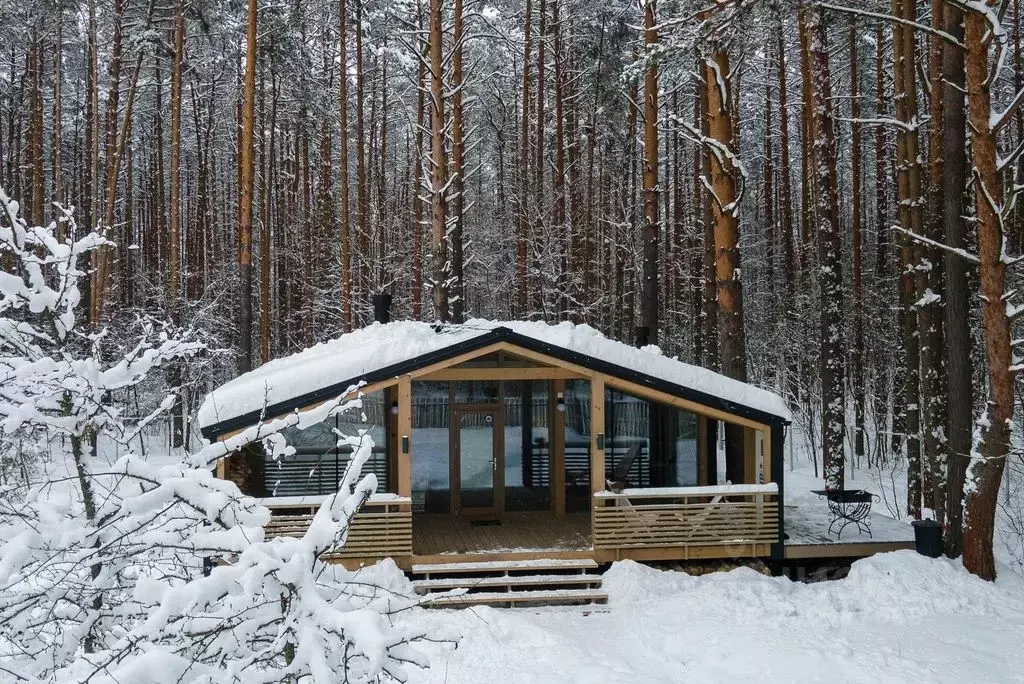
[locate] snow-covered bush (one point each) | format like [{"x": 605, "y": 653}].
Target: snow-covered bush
[{"x": 150, "y": 569}]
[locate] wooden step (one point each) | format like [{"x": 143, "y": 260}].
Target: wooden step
[
  {"x": 423, "y": 586},
  {"x": 581, "y": 564},
  {"x": 542, "y": 597}
]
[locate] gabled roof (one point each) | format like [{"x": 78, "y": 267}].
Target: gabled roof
[{"x": 380, "y": 352}]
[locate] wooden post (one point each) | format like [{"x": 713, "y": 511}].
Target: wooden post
[
  {"x": 596, "y": 428},
  {"x": 766, "y": 454},
  {"x": 404, "y": 436},
  {"x": 556, "y": 442}
]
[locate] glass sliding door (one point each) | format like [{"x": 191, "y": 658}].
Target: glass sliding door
[{"x": 479, "y": 461}]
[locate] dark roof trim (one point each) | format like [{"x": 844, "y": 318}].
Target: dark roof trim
[{"x": 499, "y": 334}]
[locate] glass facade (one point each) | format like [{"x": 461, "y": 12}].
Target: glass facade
[
  {"x": 647, "y": 444},
  {"x": 527, "y": 451},
  {"x": 431, "y": 463},
  {"x": 318, "y": 464}
]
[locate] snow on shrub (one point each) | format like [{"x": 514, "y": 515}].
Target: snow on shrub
[{"x": 145, "y": 571}]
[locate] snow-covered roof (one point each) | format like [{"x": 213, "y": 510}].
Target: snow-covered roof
[{"x": 359, "y": 354}]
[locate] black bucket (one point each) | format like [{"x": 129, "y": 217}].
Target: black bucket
[{"x": 928, "y": 538}]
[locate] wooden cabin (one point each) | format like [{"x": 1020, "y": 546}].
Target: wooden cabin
[{"x": 517, "y": 441}]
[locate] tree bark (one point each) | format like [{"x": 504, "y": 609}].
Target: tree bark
[
  {"x": 417, "y": 187},
  {"x": 829, "y": 239},
  {"x": 457, "y": 290},
  {"x": 652, "y": 226},
  {"x": 439, "y": 167},
  {"x": 992, "y": 444},
  {"x": 859, "y": 392},
  {"x": 910, "y": 219},
  {"x": 343, "y": 193},
  {"x": 959, "y": 345},
  {"x": 725, "y": 215},
  {"x": 245, "y": 187},
  {"x": 931, "y": 319}
]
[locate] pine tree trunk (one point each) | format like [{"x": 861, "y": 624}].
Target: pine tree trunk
[
  {"x": 245, "y": 190},
  {"x": 560, "y": 229},
  {"x": 712, "y": 359},
  {"x": 266, "y": 153},
  {"x": 363, "y": 275},
  {"x": 829, "y": 239},
  {"x": 882, "y": 161},
  {"x": 651, "y": 228},
  {"x": 57, "y": 135},
  {"x": 931, "y": 318},
  {"x": 343, "y": 193},
  {"x": 725, "y": 218},
  {"x": 959, "y": 352},
  {"x": 988, "y": 457},
  {"x": 174, "y": 236},
  {"x": 457, "y": 292},
  {"x": 523, "y": 224},
  {"x": 910, "y": 219},
  {"x": 859, "y": 392},
  {"x": 417, "y": 186},
  {"x": 439, "y": 167}
]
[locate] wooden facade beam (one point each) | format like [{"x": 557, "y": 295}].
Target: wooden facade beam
[
  {"x": 365, "y": 389},
  {"x": 557, "y": 441},
  {"x": 680, "y": 403},
  {"x": 597, "y": 437},
  {"x": 404, "y": 437},
  {"x": 503, "y": 373}
]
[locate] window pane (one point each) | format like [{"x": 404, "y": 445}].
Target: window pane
[
  {"x": 627, "y": 454},
  {"x": 476, "y": 392},
  {"x": 430, "y": 463},
  {"x": 476, "y": 459},
  {"x": 527, "y": 456},
  {"x": 686, "y": 449},
  {"x": 577, "y": 446},
  {"x": 318, "y": 464}
]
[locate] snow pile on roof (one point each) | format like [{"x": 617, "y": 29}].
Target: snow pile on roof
[{"x": 355, "y": 354}]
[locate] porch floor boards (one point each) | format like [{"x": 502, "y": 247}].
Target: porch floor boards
[{"x": 441, "y": 533}]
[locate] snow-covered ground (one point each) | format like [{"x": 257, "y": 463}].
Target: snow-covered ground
[{"x": 898, "y": 617}]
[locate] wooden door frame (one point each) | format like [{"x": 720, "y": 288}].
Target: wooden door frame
[{"x": 455, "y": 458}]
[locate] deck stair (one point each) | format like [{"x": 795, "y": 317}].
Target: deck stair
[{"x": 510, "y": 583}]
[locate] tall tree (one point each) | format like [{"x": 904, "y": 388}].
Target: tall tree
[
  {"x": 829, "y": 239},
  {"x": 992, "y": 442},
  {"x": 959, "y": 352},
  {"x": 931, "y": 306},
  {"x": 245, "y": 190},
  {"x": 652, "y": 226},
  {"x": 859, "y": 390},
  {"x": 343, "y": 209},
  {"x": 457, "y": 293},
  {"x": 910, "y": 216},
  {"x": 439, "y": 167}
]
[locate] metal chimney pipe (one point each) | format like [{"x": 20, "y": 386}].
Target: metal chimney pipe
[{"x": 382, "y": 307}]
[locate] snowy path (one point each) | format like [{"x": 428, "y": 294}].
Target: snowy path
[{"x": 897, "y": 618}]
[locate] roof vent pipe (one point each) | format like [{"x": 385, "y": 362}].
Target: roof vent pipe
[
  {"x": 382, "y": 307},
  {"x": 643, "y": 335}
]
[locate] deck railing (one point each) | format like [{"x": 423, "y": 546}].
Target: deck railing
[
  {"x": 382, "y": 528},
  {"x": 725, "y": 515}
]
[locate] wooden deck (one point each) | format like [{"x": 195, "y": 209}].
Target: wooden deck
[
  {"x": 808, "y": 536},
  {"x": 442, "y": 534}
]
